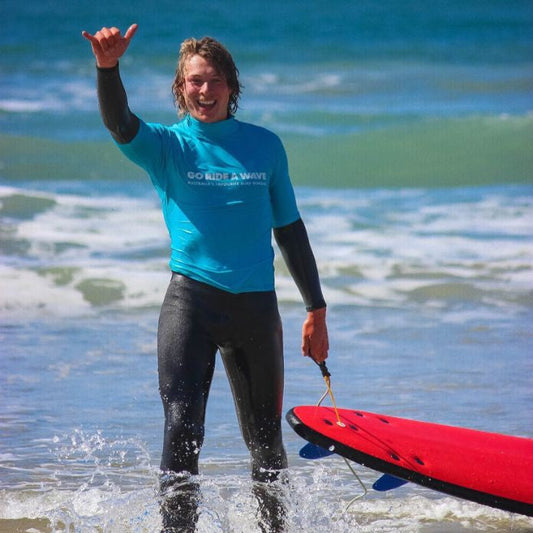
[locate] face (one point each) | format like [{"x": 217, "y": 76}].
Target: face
[{"x": 206, "y": 92}]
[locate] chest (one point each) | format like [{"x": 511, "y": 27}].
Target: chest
[{"x": 221, "y": 173}]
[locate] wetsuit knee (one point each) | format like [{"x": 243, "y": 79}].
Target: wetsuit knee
[
  {"x": 183, "y": 440},
  {"x": 268, "y": 459}
]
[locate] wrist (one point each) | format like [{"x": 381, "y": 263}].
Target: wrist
[
  {"x": 105, "y": 65},
  {"x": 318, "y": 312}
]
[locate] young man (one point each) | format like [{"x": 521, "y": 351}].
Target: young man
[{"x": 224, "y": 188}]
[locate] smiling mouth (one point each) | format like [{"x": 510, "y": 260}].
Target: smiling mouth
[{"x": 208, "y": 104}]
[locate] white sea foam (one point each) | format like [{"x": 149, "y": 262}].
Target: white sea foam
[
  {"x": 78, "y": 245},
  {"x": 478, "y": 250},
  {"x": 25, "y": 293},
  {"x": 57, "y": 94},
  {"x": 383, "y": 248},
  {"x": 317, "y": 501}
]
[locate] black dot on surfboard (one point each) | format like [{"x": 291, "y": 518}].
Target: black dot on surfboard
[
  {"x": 384, "y": 420},
  {"x": 359, "y": 414},
  {"x": 355, "y": 428},
  {"x": 419, "y": 461},
  {"x": 394, "y": 456},
  {"x": 328, "y": 422}
]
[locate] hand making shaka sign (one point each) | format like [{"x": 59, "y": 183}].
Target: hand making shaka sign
[{"x": 109, "y": 44}]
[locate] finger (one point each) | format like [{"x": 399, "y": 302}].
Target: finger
[
  {"x": 107, "y": 38},
  {"x": 320, "y": 354},
  {"x": 319, "y": 350},
  {"x": 115, "y": 36},
  {"x": 324, "y": 352},
  {"x": 326, "y": 345},
  {"x": 91, "y": 38},
  {"x": 319, "y": 359},
  {"x": 106, "y": 32},
  {"x": 130, "y": 32},
  {"x": 306, "y": 346}
]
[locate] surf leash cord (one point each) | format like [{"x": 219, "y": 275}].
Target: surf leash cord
[{"x": 327, "y": 375}]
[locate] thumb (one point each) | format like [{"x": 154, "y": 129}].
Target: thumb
[
  {"x": 306, "y": 345},
  {"x": 130, "y": 32}
]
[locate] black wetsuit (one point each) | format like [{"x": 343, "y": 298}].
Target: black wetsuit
[{"x": 196, "y": 321}]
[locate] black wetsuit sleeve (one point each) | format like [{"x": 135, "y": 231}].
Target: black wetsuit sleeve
[
  {"x": 294, "y": 245},
  {"x": 116, "y": 114}
]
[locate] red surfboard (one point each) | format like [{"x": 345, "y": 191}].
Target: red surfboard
[{"x": 487, "y": 468}]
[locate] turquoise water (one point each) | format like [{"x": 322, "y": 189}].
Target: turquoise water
[{"x": 408, "y": 127}]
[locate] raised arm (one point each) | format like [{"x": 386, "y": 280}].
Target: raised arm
[{"x": 108, "y": 47}]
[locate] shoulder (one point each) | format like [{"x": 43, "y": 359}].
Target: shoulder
[
  {"x": 149, "y": 129},
  {"x": 164, "y": 133},
  {"x": 259, "y": 134},
  {"x": 149, "y": 144},
  {"x": 254, "y": 129},
  {"x": 163, "y": 129}
]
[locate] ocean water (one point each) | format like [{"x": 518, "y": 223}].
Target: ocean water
[{"x": 408, "y": 127}]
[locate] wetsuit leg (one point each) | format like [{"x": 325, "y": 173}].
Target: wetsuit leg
[
  {"x": 186, "y": 360},
  {"x": 254, "y": 365}
]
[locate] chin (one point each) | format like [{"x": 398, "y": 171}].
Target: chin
[{"x": 210, "y": 118}]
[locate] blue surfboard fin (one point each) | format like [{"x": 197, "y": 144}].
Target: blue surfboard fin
[
  {"x": 384, "y": 483},
  {"x": 388, "y": 482},
  {"x": 313, "y": 451}
]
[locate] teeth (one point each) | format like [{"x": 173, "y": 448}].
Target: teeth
[{"x": 210, "y": 102}]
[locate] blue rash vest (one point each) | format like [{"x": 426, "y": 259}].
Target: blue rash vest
[{"x": 223, "y": 187}]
